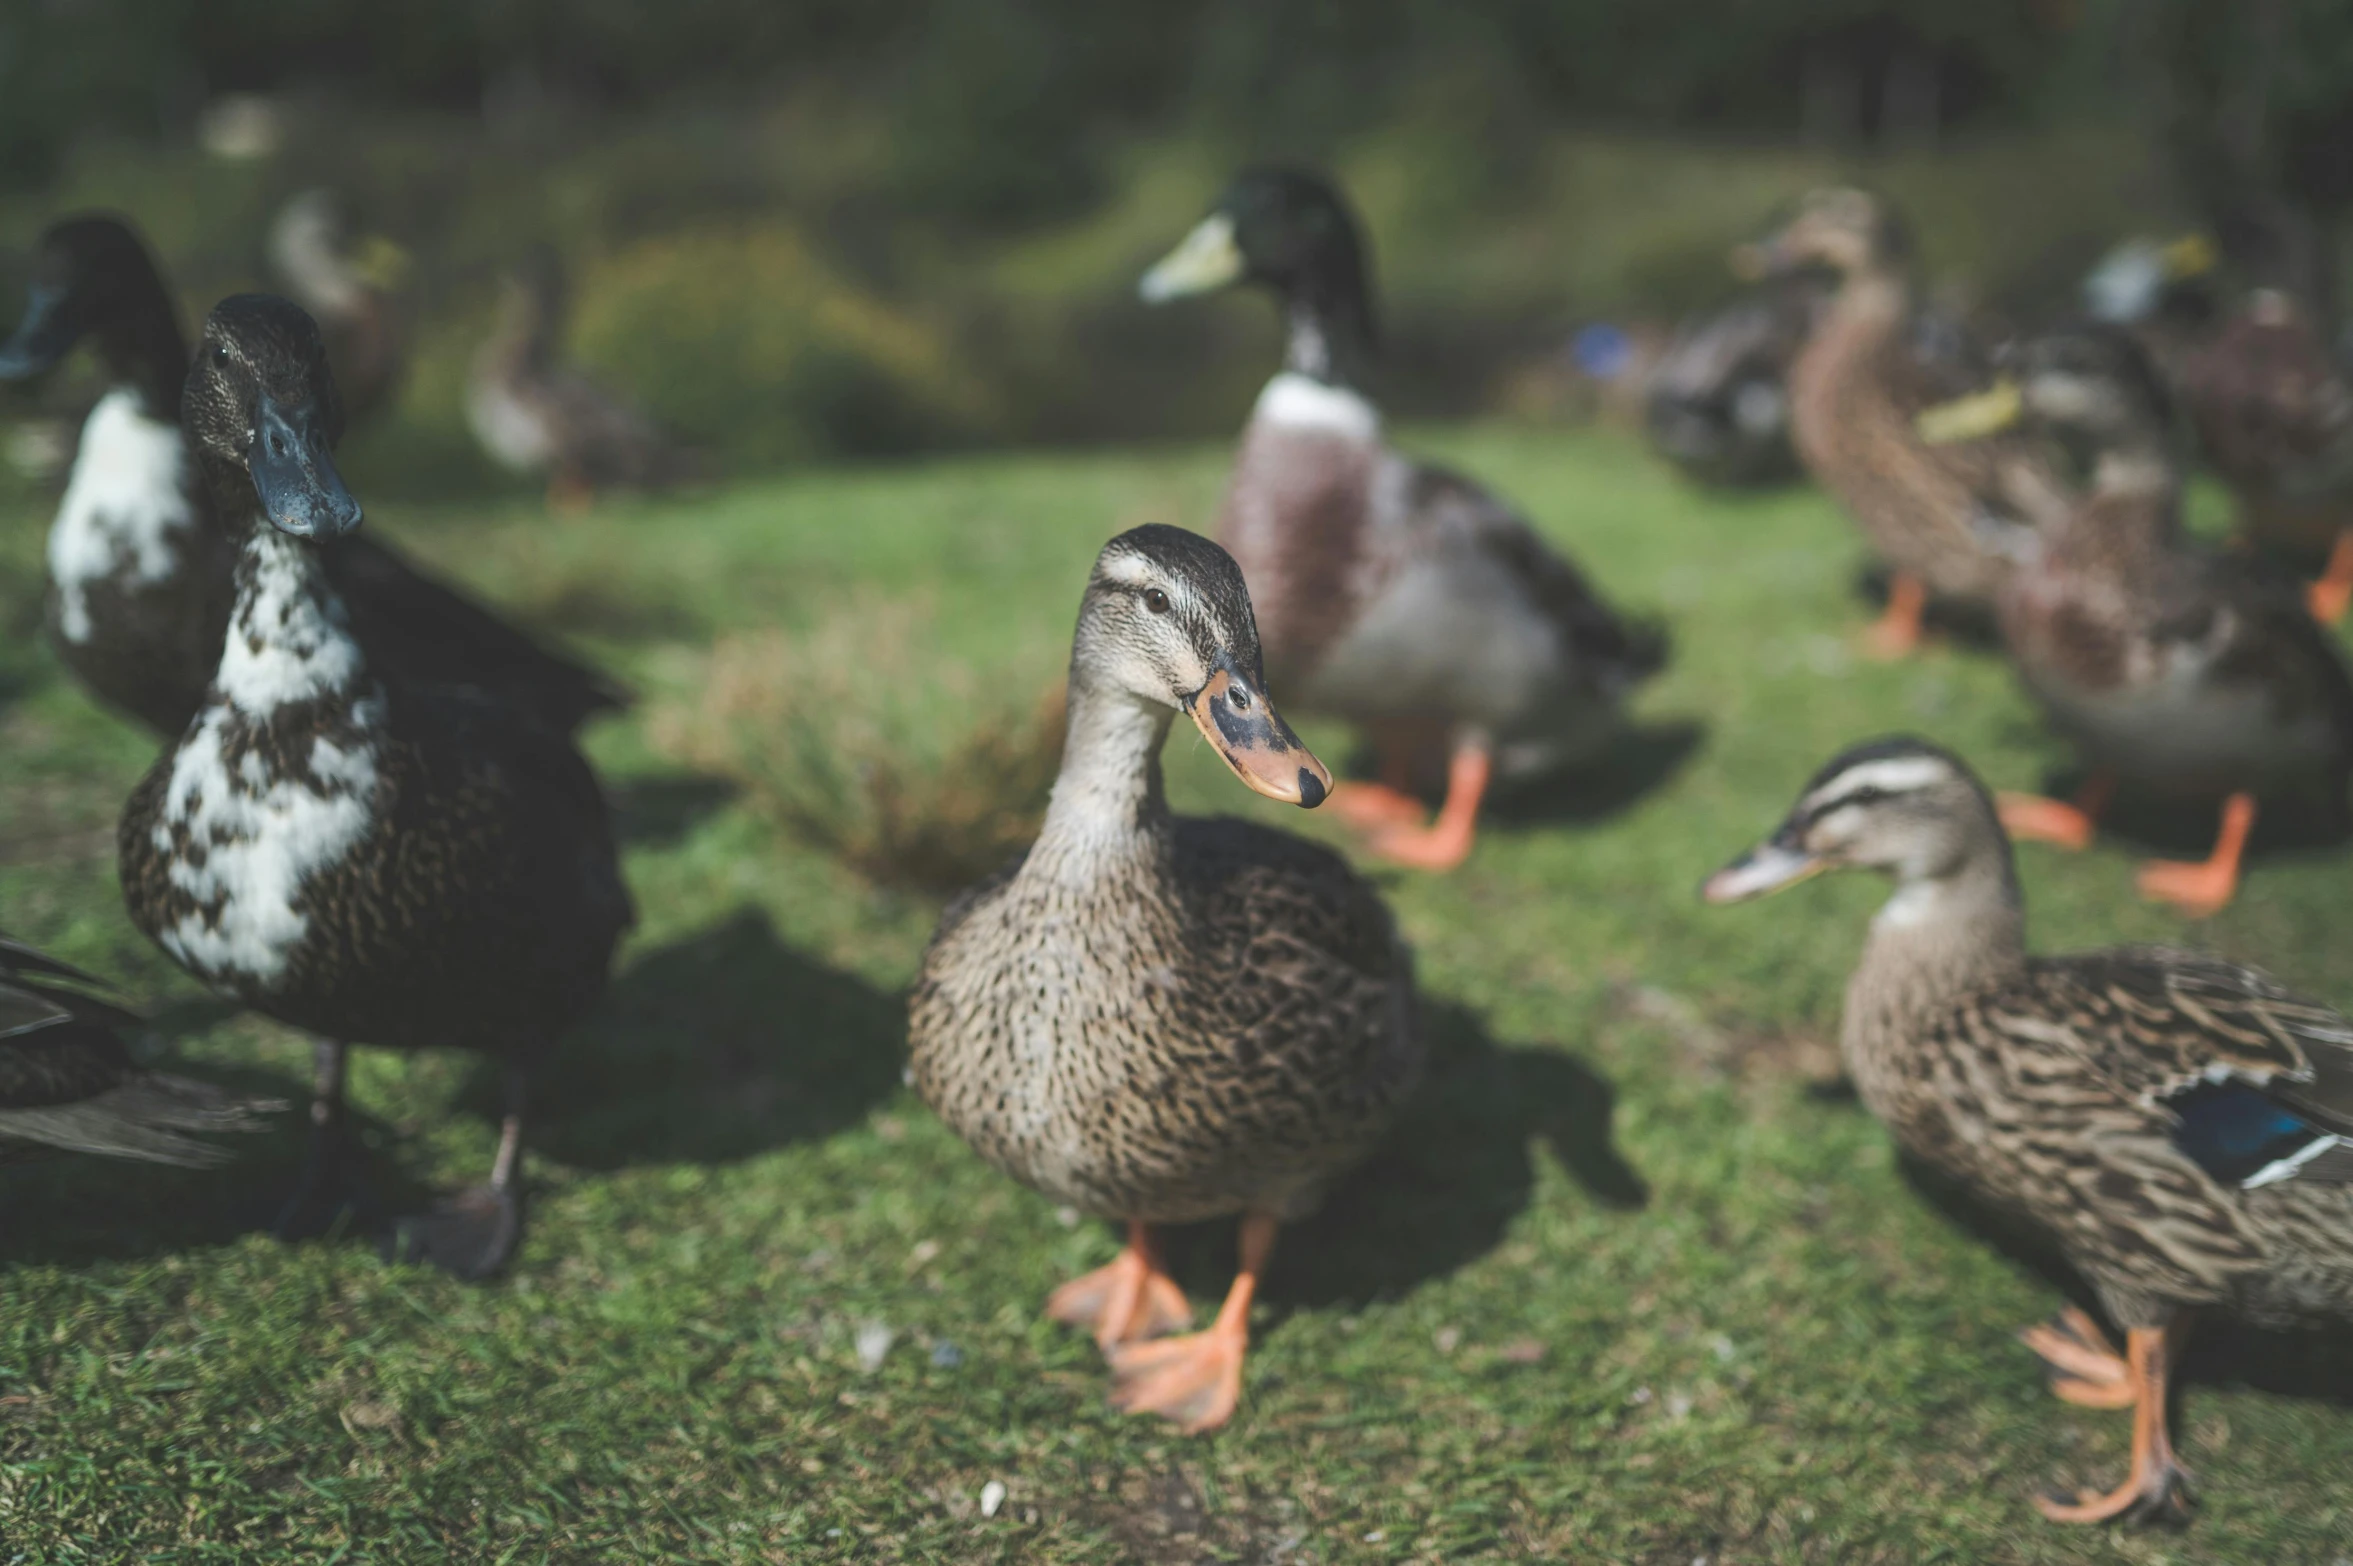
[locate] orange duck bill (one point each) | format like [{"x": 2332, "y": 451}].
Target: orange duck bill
[{"x": 1237, "y": 719}]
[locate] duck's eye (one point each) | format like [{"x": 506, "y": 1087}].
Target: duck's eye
[
  {"x": 1239, "y": 696},
  {"x": 220, "y": 353},
  {"x": 1155, "y": 600}
]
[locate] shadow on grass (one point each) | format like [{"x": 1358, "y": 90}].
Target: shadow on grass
[
  {"x": 2185, "y": 829},
  {"x": 2314, "y": 1362},
  {"x": 1645, "y": 759},
  {"x": 655, "y": 812},
  {"x": 1444, "y": 1186},
  {"x": 713, "y": 1049}
]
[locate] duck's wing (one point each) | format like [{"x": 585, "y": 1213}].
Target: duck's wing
[
  {"x": 67, "y": 1081},
  {"x": 431, "y": 633},
  {"x": 1322, "y": 1001},
  {"x": 2272, "y": 640},
  {"x": 1452, "y": 510},
  {"x": 2271, "y": 406},
  {"x": 2254, "y": 1082}
]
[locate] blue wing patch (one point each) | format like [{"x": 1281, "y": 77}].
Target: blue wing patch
[{"x": 2242, "y": 1136}]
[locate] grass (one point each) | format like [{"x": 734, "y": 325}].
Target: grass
[{"x": 1631, "y": 1284}]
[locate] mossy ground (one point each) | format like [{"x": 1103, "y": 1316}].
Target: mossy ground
[{"x": 1635, "y": 1282}]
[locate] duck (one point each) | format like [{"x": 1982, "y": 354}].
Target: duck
[
  {"x": 2186, "y": 673},
  {"x": 1159, "y": 1019},
  {"x": 68, "y": 1082},
  {"x": 1392, "y": 593},
  {"x": 1949, "y": 522},
  {"x": 2179, "y": 1127},
  {"x": 2273, "y": 411},
  {"x": 341, "y": 846},
  {"x": 535, "y": 413},
  {"x": 140, "y": 570},
  {"x": 1716, "y": 404},
  {"x": 351, "y": 286}
]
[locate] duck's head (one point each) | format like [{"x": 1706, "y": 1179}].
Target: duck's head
[
  {"x": 1839, "y": 227},
  {"x": 260, "y": 406},
  {"x": 1167, "y": 620},
  {"x": 1287, "y": 229},
  {"x": 315, "y": 246},
  {"x": 2144, "y": 277},
  {"x": 91, "y": 278},
  {"x": 2091, "y": 385},
  {"x": 1902, "y": 806}
]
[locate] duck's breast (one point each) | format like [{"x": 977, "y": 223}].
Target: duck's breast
[{"x": 126, "y": 523}]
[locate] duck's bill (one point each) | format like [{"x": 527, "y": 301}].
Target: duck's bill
[
  {"x": 1972, "y": 417},
  {"x": 1207, "y": 260},
  {"x": 44, "y": 334},
  {"x": 1768, "y": 867},
  {"x": 294, "y": 474},
  {"x": 1244, "y": 728}
]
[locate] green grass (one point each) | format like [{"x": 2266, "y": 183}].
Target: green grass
[{"x": 1630, "y": 1284}]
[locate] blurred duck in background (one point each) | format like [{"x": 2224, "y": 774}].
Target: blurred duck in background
[
  {"x": 1716, "y": 402},
  {"x": 1393, "y": 593},
  {"x": 351, "y": 285},
  {"x": 367, "y": 857},
  {"x": 2181, "y": 1128},
  {"x": 1161, "y": 1019},
  {"x": 534, "y": 412},
  {"x": 1948, "y": 521},
  {"x": 68, "y": 1084},
  {"x": 2173, "y": 670},
  {"x": 140, "y": 566},
  {"x": 2265, "y": 392}
]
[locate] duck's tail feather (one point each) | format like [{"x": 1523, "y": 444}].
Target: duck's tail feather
[{"x": 153, "y": 1116}]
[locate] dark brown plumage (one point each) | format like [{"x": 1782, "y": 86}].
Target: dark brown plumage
[{"x": 369, "y": 857}]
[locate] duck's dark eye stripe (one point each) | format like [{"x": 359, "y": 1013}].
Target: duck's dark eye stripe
[{"x": 1868, "y": 794}]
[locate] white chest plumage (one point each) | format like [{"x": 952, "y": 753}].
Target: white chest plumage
[
  {"x": 1295, "y": 401},
  {"x": 126, "y": 515},
  {"x": 259, "y": 822}
]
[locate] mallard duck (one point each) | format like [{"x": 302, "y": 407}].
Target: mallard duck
[
  {"x": 140, "y": 570},
  {"x": 1716, "y": 404},
  {"x": 1397, "y": 595},
  {"x": 2181, "y": 672},
  {"x": 367, "y": 857},
  {"x": 67, "y": 1083},
  {"x": 2180, "y": 1127},
  {"x": 1159, "y": 1019},
  {"x": 1948, "y": 521},
  {"x": 535, "y": 413},
  {"x": 351, "y": 286},
  {"x": 2274, "y": 415}
]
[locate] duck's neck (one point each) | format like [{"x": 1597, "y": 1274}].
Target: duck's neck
[
  {"x": 289, "y": 638},
  {"x": 1862, "y": 324},
  {"x": 1324, "y": 335},
  {"x": 1109, "y": 813},
  {"x": 1938, "y": 938},
  {"x": 144, "y": 352}
]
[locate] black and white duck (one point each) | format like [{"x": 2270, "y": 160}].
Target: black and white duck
[
  {"x": 351, "y": 284},
  {"x": 1393, "y": 593},
  {"x": 2176, "y": 671},
  {"x": 2181, "y": 1128},
  {"x": 1160, "y": 1019},
  {"x": 1948, "y": 521},
  {"x": 535, "y": 412},
  {"x": 140, "y": 569},
  {"x": 68, "y": 1083},
  {"x": 340, "y": 845}
]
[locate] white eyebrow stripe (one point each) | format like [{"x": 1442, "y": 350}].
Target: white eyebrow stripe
[
  {"x": 1895, "y": 775},
  {"x": 1129, "y": 570}
]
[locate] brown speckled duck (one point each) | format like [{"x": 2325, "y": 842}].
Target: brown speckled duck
[
  {"x": 1949, "y": 521},
  {"x": 141, "y": 570},
  {"x": 2174, "y": 670},
  {"x": 1395, "y": 594},
  {"x": 67, "y": 1082},
  {"x": 368, "y": 858},
  {"x": 2181, "y": 1128},
  {"x": 1159, "y": 1019}
]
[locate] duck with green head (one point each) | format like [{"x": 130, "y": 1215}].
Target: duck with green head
[{"x": 1395, "y": 594}]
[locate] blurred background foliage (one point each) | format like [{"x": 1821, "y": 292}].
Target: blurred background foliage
[{"x": 830, "y": 230}]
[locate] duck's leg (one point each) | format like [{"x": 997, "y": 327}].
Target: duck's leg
[
  {"x": 1196, "y": 1380},
  {"x": 2158, "y": 1484},
  {"x": 1131, "y": 1299},
  {"x": 2332, "y": 590},
  {"x": 1373, "y": 806},
  {"x": 1445, "y": 842},
  {"x": 570, "y": 495},
  {"x": 474, "y": 1233},
  {"x": 1896, "y": 633},
  {"x": 2031, "y": 818},
  {"x": 2083, "y": 1366},
  {"x": 320, "y": 1191},
  {"x": 2205, "y": 887}
]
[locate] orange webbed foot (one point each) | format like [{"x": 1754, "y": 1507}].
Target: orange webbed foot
[
  {"x": 2030, "y": 818},
  {"x": 1445, "y": 842},
  {"x": 2157, "y": 1486},
  {"x": 1373, "y": 807},
  {"x": 1194, "y": 1381},
  {"x": 2083, "y": 1368},
  {"x": 2329, "y": 596},
  {"x": 1896, "y": 633},
  {"x": 1124, "y": 1301},
  {"x": 2205, "y": 888}
]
